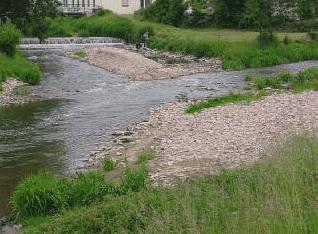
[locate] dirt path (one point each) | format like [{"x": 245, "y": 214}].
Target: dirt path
[
  {"x": 222, "y": 137},
  {"x": 136, "y": 66}
]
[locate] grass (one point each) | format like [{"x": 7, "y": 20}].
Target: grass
[
  {"x": 80, "y": 53},
  {"x": 278, "y": 195},
  {"x": 238, "y": 49},
  {"x": 46, "y": 194},
  {"x": 108, "y": 164},
  {"x": 146, "y": 156},
  {"x": 304, "y": 80},
  {"x": 20, "y": 68},
  {"x": 21, "y": 91},
  {"x": 219, "y": 101}
]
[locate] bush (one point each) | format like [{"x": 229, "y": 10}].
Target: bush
[
  {"x": 89, "y": 187},
  {"x": 108, "y": 164},
  {"x": 9, "y": 39},
  {"x": 165, "y": 11},
  {"x": 41, "y": 194}
]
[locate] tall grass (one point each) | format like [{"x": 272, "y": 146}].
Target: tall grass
[
  {"x": 101, "y": 25},
  {"x": 20, "y": 68},
  {"x": 304, "y": 80},
  {"x": 239, "y": 55},
  {"x": 278, "y": 195}
]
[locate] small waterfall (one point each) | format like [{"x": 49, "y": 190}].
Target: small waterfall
[{"x": 70, "y": 40}]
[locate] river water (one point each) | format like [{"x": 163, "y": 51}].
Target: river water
[{"x": 82, "y": 106}]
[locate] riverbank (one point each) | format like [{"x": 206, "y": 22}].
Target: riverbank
[
  {"x": 216, "y": 138},
  {"x": 146, "y": 64},
  {"x": 14, "y": 92}
]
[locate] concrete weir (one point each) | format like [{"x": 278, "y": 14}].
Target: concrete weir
[{"x": 61, "y": 42}]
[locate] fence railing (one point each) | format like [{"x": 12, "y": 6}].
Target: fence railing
[{"x": 78, "y": 8}]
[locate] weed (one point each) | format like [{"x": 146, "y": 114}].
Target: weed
[
  {"x": 89, "y": 187},
  {"x": 40, "y": 194},
  {"x": 146, "y": 156},
  {"x": 108, "y": 164},
  {"x": 134, "y": 179},
  {"x": 230, "y": 98},
  {"x": 81, "y": 54}
]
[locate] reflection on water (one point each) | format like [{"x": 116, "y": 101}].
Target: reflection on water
[{"x": 85, "y": 105}]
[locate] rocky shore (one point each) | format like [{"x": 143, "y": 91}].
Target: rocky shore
[
  {"x": 222, "y": 137},
  {"x": 13, "y": 93},
  {"x": 147, "y": 64}
]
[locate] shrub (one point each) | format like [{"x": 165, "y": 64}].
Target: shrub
[
  {"x": 134, "y": 179},
  {"x": 108, "y": 164},
  {"x": 9, "y": 39},
  {"x": 40, "y": 194},
  {"x": 89, "y": 187}
]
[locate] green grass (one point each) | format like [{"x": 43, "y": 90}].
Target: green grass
[
  {"x": 219, "y": 101},
  {"x": 20, "y": 68},
  {"x": 80, "y": 53},
  {"x": 108, "y": 164},
  {"x": 238, "y": 49},
  {"x": 304, "y": 80},
  {"x": 146, "y": 156},
  {"x": 278, "y": 195}
]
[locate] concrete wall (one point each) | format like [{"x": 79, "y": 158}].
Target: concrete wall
[{"x": 117, "y": 7}]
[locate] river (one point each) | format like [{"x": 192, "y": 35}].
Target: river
[{"x": 82, "y": 106}]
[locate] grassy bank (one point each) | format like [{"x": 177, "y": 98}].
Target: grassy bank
[
  {"x": 20, "y": 68},
  {"x": 274, "y": 196},
  {"x": 238, "y": 49},
  {"x": 284, "y": 81}
]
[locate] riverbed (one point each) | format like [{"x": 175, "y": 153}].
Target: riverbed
[{"x": 82, "y": 106}]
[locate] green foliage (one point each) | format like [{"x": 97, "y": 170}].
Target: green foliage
[
  {"x": 313, "y": 35},
  {"x": 304, "y": 80},
  {"x": 134, "y": 179},
  {"x": 145, "y": 156},
  {"x": 108, "y": 164},
  {"x": 80, "y": 53},
  {"x": 20, "y": 68},
  {"x": 165, "y": 11},
  {"x": 40, "y": 28},
  {"x": 236, "y": 56},
  {"x": 89, "y": 187},
  {"x": 9, "y": 39},
  {"x": 107, "y": 25},
  {"x": 40, "y": 194},
  {"x": 267, "y": 38},
  {"x": 227, "y": 99},
  {"x": 273, "y": 196}
]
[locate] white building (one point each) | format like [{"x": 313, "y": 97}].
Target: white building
[{"x": 123, "y": 7}]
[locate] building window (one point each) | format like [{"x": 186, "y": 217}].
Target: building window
[{"x": 125, "y": 3}]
